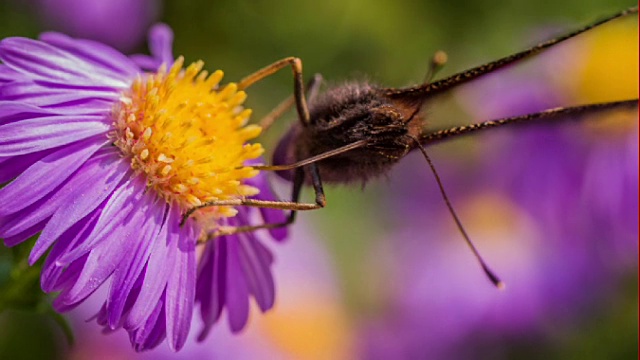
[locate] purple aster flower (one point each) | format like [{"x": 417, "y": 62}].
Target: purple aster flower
[
  {"x": 310, "y": 321},
  {"x": 103, "y": 158},
  {"x": 96, "y": 19}
]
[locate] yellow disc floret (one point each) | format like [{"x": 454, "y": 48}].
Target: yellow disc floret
[{"x": 188, "y": 135}]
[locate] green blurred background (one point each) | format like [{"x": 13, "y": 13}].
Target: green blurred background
[{"x": 386, "y": 41}]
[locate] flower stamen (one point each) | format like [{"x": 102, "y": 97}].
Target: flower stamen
[{"x": 188, "y": 135}]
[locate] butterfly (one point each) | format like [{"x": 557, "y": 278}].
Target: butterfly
[{"x": 357, "y": 131}]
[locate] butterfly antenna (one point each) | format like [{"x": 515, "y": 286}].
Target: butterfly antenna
[
  {"x": 490, "y": 274},
  {"x": 422, "y": 91}
]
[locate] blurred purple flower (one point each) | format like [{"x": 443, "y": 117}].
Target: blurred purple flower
[
  {"x": 441, "y": 305},
  {"x": 118, "y": 23},
  {"x": 92, "y": 150},
  {"x": 578, "y": 178},
  {"x": 546, "y": 208},
  {"x": 446, "y": 308},
  {"x": 609, "y": 201}
]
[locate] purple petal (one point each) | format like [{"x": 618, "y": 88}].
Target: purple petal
[
  {"x": 94, "y": 52},
  {"x": 101, "y": 316},
  {"x": 119, "y": 210},
  {"x": 161, "y": 264},
  {"x": 126, "y": 275},
  {"x": 45, "y": 62},
  {"x": 7, "y": 74},
  {"x": 208, "y": 286},
  {"x": 47, "y": 174},
  {"x": 68, "y": 278},
  {"x": 50, "y": 271},
  {"x": 66, "y": 105},
  {"x": 104, "y": 258},
  {"x": 160, "y": 46},
  {"x": 181, "y": 287},
  {"x": 16, "y": 165},
  {"x": 21, "y": 221},
  {"x": 11, "y": 111},
  {"x": 161, "y": 43},
  {"x": 62, "y": 100},
  {"x": 257, "y": 271},
  {"x": 14, "y": 240},
  {"x": 33, "y": 135},
  {"x": 275, "y": 216},
  {"x": 263, "y": 253},
  {"x": 80, "y": 196},
  {"x": 153, "y": 331},
  {"x": 146, "y": 62},
  {"x": 237, "y": 292}
]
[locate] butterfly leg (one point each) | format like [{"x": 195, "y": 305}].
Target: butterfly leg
[
  {"x": 295, "y": 196},
  {"x": 298, "y": 84},
  {"x": 313, "y": 87}
]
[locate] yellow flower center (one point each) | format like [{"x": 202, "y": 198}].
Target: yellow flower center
[{"x": 188, "y": 136}]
